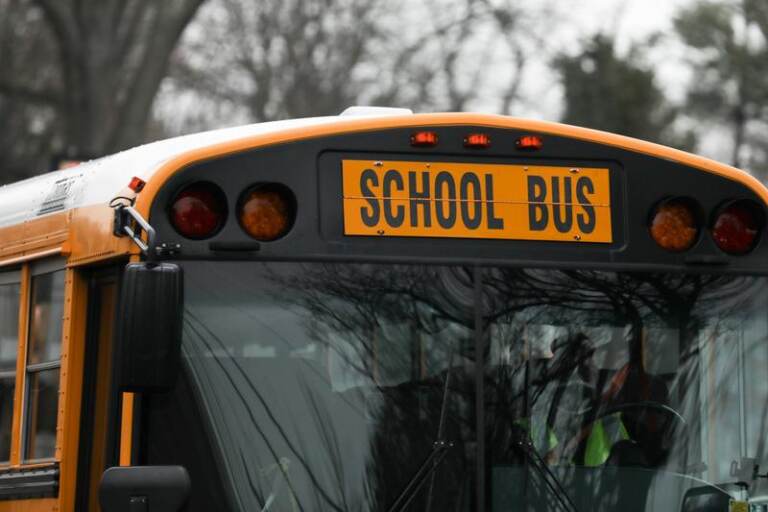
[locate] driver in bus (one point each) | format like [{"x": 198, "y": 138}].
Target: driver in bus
[
  {"x": 641, "y": 397},
  {"x": 622, "y": 426},
  {"x": 574, "y": 367}
]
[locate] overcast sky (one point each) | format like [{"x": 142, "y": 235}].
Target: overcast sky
[
  {"x": 565, "y": 31},
  {"x": 629, "y": 21},
  {"x": 629, "y": 17},
  {"x": 635, "y": 19}
]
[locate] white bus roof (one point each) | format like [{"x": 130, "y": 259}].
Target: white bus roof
[{"x": 99, "y": 181}]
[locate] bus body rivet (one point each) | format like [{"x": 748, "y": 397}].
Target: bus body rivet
[
  {"x": 574, "y": 170},
  {"x": 378, "y": 164},
  {"x": 577, "y": 237},
  {"x": 380, "y": 232}
]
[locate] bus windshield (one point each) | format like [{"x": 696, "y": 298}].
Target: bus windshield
[{"x": 324, "y": 386}]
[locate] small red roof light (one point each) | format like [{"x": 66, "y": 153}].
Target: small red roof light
[
  {"x": 137, "y": 184},
  {"x": 530, "y": 142},
  {"x": 737, "y": 227},
  {"x": 477, "y": 140},
  {"x": 424, "y": 139}
]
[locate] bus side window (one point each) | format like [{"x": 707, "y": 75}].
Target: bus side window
[
  {"x": 10, "y": 302},
  {"x": 43, "y": 364}
]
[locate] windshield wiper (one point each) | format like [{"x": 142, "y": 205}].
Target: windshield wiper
[
  {"x": 535, "y": 459},
  {"x": 432, "y": 462},
  {"x": 428, "y": 467}
]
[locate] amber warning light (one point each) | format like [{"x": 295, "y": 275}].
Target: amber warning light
[
  {"x": 266, "y": 212},
  {"x": 674, "y": 225}
]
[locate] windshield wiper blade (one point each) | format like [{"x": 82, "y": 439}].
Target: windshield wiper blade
[
  {"x": 539, "y": 464},
  {"x": 432, "y": 462},
  {"x": 428, "y": 467}
]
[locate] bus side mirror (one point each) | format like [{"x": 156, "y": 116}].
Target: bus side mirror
[
  {"x": 144, "y": 489},
  {"x": 149, "y": 327},
  {"x": 706, "y": 498}
]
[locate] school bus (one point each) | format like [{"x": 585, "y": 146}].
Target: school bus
[{"x": 385, "y": 311}]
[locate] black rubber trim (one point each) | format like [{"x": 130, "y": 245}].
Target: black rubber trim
[
  {"x": 16, "y": 484},
  {"x": 238, "y": 246}
]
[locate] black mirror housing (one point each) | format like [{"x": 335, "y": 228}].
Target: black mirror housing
[
  {"x": 149, "y": 327},
  {"x": 706, "y": 498},
  {"x": 144, "y": 488}
]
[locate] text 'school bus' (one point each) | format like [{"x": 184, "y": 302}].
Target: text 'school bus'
[{"x": 383, "y": 311}]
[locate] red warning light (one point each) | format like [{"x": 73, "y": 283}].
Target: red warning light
[
  {"x": 424, "y": 139},
  {"x": 737, "y": 227},
  {"x": 529, "y": 142},
  {"x": 477, "y": 140},
  {"x": 198, "y": 211}
]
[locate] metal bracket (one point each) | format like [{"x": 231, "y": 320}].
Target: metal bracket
[
  {"x": 168, "y": 249},
  {"x": 129, "y": 222}
]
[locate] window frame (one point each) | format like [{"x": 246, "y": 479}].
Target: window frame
[
  {"x": 14, "y": 275},
  {"x": 35, "y": 269}
]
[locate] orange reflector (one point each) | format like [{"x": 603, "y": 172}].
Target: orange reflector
[
  {"x": 529, "y": 142},
  {"x": 477, "y": 140},
  {"x": 267, "y": 211},
  {"x": 137, "y": 184},
  {"x": 424, "y": 139},
  {"x": 674, "y": 226}
]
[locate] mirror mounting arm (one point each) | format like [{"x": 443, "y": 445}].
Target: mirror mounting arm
[{"x": 129, "y": 222}]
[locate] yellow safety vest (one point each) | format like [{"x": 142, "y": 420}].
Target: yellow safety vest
[{"x": 606, "y": 432}]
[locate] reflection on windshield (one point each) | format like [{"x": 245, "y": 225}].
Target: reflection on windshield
[
  {"x": 634, "y": 386},
  {"x": 328, "y": 383},
  {"x": 324, "y": 384}
]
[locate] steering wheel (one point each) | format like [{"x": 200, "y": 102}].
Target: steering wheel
[
  {"x": 647, "y": 404},
  {"x": 663, "y": 431}
]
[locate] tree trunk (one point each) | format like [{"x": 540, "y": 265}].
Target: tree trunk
[{"x": 113, "y": 54}]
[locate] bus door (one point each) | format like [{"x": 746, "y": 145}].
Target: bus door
[{"x": 99, "y": 426}]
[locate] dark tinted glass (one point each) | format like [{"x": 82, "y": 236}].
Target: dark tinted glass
[
  {"x": 326, "y": 384},
  {"x": 42, "y": 408},
  {"x": 9, "y": 326},
  {"x": 46, "y": 312},
  {"x": 7, "y": 389},
  {"x": 634, "y": 388}
]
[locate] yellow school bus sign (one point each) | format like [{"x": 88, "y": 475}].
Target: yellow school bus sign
[{"x": 476, "y": 200}]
